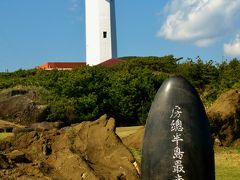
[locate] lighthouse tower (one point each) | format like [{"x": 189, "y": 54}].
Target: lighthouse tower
[{"x": 101, "y": 41}]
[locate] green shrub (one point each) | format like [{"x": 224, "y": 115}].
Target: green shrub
[{"x": 124, "y": 91}]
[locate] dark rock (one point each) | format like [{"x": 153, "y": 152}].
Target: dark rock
[
  {"x": 4, "y": 163},
  {"x": 47, "y": 148},
  {"x": 22, "y": 109},
  {"x": 8, "y": 129},
  {"x": 17, "y": 92},
  {"x": 177, "y": 140}
]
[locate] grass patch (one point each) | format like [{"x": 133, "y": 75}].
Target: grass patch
[
  {"x": 227, "y": 162},
  {"x": 137, "y": 154},
  {"x": 126, "y": 131},
  {"x": 4, "y": 135}
]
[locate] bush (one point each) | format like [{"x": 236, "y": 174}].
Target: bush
[{"x": 124, "y": 91}]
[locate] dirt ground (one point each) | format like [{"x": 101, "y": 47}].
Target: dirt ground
[{"x": 123, "y": 132}]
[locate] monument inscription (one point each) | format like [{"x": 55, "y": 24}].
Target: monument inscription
[
  {"x": 177, "y": 140},
  {"x": 177, "y": 129}
]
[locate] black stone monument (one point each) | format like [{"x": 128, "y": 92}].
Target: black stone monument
[{"x": 177, "y": 140}]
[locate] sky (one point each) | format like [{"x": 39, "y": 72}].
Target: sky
[{"x": 35, "y": 32}]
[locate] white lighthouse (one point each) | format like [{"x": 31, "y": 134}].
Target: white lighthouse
[{"x": 101, "y": 41}]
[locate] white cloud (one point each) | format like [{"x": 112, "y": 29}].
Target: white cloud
[
  {"x": 233, "y": 48},
  {"x": 202, "y": 22}
]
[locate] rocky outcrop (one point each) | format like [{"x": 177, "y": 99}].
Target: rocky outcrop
[
  {"x": 20, "y": 107},
  {"x": 90, "y": 150},
  {"x": 224, "y": 116}
]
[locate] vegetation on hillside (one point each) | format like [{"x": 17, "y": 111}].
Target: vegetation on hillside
[{"x": 124, "y": 91}]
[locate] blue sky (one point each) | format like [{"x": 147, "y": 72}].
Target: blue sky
[{"x": 35, "y": 32}]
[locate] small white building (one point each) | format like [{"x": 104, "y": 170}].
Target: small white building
[{"x": 101, "y": 40}]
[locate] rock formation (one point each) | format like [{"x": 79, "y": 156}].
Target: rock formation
[
  {"x": 224, "y": 116},
  {"x": 90, "y": 150},
  {"x": 20, "y": 107}
]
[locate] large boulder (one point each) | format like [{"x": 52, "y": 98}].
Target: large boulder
[
  {"x": 90, "y": 150},
  {"x": 224, "y": 116},
  {"x": 20, "y": 107}
]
